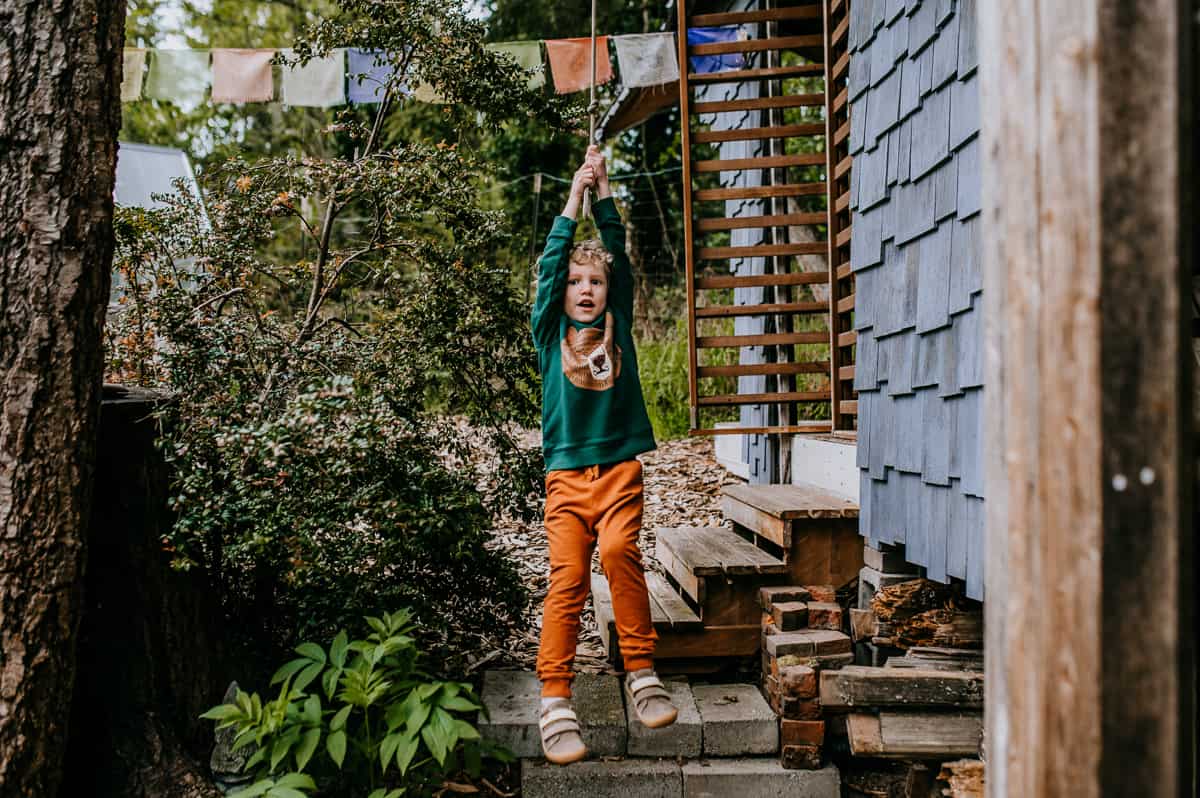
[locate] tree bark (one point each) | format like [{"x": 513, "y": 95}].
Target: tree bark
[{"x": 60, "y": 77}]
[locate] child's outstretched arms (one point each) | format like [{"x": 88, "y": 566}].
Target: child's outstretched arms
[
  {"x": 552, "y": 267},
  {"x": 612, "y": 233}
]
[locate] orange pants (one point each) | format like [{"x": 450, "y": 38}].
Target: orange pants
[{"x": 584, "y": 505}]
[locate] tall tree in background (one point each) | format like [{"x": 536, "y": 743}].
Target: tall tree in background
[{"x": 60, "y": 77}]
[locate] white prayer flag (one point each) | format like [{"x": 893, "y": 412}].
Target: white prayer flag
[
  {"x": 647, "y": 59},
  {"x": 320, "y": 83},
  {"x": 131, "y": 74}
]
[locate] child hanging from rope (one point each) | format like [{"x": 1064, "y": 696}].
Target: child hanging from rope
[{"x": 594, "y": 423}]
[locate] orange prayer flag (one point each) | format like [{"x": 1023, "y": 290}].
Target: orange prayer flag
[
  {"x": 571, "y": 63},
  {"x": 242, "y": 76}
]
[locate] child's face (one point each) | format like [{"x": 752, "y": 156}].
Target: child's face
[{"x": 587, "y": 292}]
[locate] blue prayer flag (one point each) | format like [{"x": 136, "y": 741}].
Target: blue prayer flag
[{"x": 715, "y": 63}]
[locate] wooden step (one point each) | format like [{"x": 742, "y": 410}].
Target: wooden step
[
  {"x": 757, "y": 45},
  {"x": 725, "y": 400},
  {"x": 762, "y": 251},
  {"x": 761, "y": 162},
  {"x": 788, "y": 502},
  {"x": 758, "y": 133},
  {"x": 768, "y": 339},
  {"x": 724, "y": 311},
  {"x": 667, "y": 609},
  {"x": 690, "y": 554},
  {"x": 716, "y": 281},
  {"x": 758, "y": 103},
  {"x": 761, "y": 73},
  {"x": 758, "y": 369},
  {"x": 759, "y": 192},
  {"x": 810, "y": 11},
  {"x": 750, "y": 222}
]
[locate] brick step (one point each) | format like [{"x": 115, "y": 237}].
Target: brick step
[{"x": 814, "y": 531}]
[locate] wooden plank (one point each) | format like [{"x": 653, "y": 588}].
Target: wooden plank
[
  {"x": 849, "y": 406},
  {"x": 843, "y": 168},
  {"x": 843, "y": 202},
  {"x": 744, "y": 17},
  {"x": 915, "y": 735},
  {"x": 755, "y": 192},
  {"x": 688, "y": 582},
  {"x": 755, "y": 45},
  {"x": 756, "y": 280},
  {"x": 726, "y": 641},
  {"x": 839, "y": 33},
  {"x": 769, "y": 339},
  {"x": 791, "y": 502},
  {"x": 1087, "y": 269},
  {"x": 748, "y": 222},
  {"x": 773, "y": 528},
  {"x": 843, "y": 236},
  {"x": 861, "y": 686},
  {"x": 810, "y": 428},
  {"x": 715, "y": 551},
  {"x": 761, "y": 73},
  {"x": 765, "y": 162},
  {"x": 759, "y": 104},
  {"x": 845, "y": 304},
  {"x": 753, "y": 369},
  {"x": 847, "y": 338},
  {"x": 674, "y": 609},
  {"x": 761, "y": 251},
  {"x": 839, "y": 102},
  {"x": 842, "y": 134},
  {"x": 725, "y": 311},
  {"x": 689, "y": 259},
  {"x": 840, "y": 66},
  {"x": 722, "y": 400},
  {"x": 844, "y": 271},
  {"x": 846, "y": 373},
  {"x": 759, "y": 133}
]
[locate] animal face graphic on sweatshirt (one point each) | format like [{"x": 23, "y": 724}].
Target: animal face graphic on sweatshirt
[{"x": 590, "y": 358}]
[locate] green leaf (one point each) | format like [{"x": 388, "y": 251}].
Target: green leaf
[
  {"x": 417, "y": 717},
  {"x": 296, "y": 781},
  {"x": 405, "y": 752},
  {"x": 465, "y": 731},
  {"x": 278, "y": 751},
  {"x": 338, "y": 651},
  {"x": 335, "y": 744},
  {"x": 254, "y": 790},
  {"x": 435, "y": 740},
  {"x": 377, "y": 625},
  {"x": 257, "y": 758},
  {"x": 458, "y": 704},
  {"x": 311, "y": 714},
  {"x": 312, "y": 651},
  {"x": 387, "y": 749},
  {"x": 307, "y": 675},
  {"x": 339, "y": 720},
  {"x": 472, "y": 761},
  {"x": 223, "y": 712},
  {"x": 285, "y": 792},
  {"x": 308, "y": 744},
  {"x": 289, "y": 669},
  {"x": 329, "y": 681}
]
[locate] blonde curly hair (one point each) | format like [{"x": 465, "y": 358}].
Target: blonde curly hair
[{"x": 592, "y": 251}]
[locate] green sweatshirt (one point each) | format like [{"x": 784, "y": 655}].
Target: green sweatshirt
[{"x": 592, "y": 408}]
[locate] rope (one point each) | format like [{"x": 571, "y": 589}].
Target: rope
[
  {"x": 587, "y": 195},
  {"x": 611, "y": 179}
]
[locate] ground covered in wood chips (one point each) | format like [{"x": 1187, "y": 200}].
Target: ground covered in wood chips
[{"x": 682, "y": 488}]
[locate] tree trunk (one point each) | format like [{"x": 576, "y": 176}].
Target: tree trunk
[{"x": 60, "y": 76}]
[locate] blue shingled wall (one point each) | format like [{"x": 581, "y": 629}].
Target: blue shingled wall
[{"x": 915, "y": 252}]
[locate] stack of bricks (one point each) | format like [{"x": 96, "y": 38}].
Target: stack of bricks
[{"x": 802, "y": 635}]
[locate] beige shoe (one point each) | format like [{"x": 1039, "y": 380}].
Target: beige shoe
[
  {"x": 561, "y": 740},
  {"x": 650, "y": 699}
]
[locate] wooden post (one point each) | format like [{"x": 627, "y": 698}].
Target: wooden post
[
  {"x": 689, "y": 261},
  {"x": 1087, "y": 202}
]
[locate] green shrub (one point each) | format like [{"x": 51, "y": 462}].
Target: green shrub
[{"x": 358, "y": 718}]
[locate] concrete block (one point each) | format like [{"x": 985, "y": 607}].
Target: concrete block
[
  {"x": 513, "y": 699},
  {"x": 886, "y": 559},
  {"x": 737, "y": 720},
  {"x": 871, "y": 580},
  {"x": 681, "y": 738},
  {"x": 758, "y": 777},
  {"x": 807, "y": 643},
  {"x": 629, "y": 778}
]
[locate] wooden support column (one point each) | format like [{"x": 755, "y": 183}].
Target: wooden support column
[{"x": 1088, "y": 204}]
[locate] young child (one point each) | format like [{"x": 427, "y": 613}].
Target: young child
[{"x": 594, "y": 423}]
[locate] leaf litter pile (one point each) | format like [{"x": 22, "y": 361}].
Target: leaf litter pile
[{"x": 682, "y": 488}]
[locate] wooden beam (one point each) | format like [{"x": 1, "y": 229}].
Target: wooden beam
[
  {"x": 1088, "y": 205},
  {"x": 689, "y": 259},
  {"x": 860, "y": 686},
  {"x": 916, "y": 735}
]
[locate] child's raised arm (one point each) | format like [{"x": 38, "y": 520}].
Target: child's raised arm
[
  {"x": 612, "y": 233},
  {"x": 552, "y": 266}
]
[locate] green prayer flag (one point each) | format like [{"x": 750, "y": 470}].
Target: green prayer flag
[
  {"x": 178, "y": 76},
  {"x": 528, "y": 55}
]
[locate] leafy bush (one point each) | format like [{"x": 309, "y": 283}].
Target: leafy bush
[
  {"x": 317, "y": 477},
  {"x": 358, "y": 718}
]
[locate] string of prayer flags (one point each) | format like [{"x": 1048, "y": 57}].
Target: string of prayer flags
[
  {"x": 242, "y": 76},
  {"x": 134, "y": 63},
  {"x": 321, "y": 83},
  {"x": 715, "y": 63},
  {"x": 528, "y": 56},
  {"x": 647, "y": 59},
  {"x": 180, "y": 76},
  {"x": 571, "y": 63}
]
